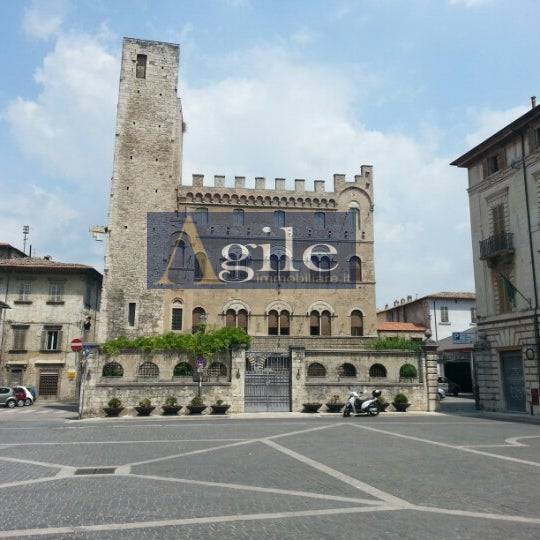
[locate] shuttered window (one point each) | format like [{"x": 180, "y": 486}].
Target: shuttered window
[
  {"x": 273, "y": 323},
  {"x": 19, "y": 337},
  {"x": 242, "y": 319},
  {"x": 284, "y": 323},
  {"x": 497, "y": 219},
  {"x": 326, "y": 324},
  {"x": 314, "y": 324},
  {"x": 176, "y": 318},
  {"x": 230, "y": 318}
]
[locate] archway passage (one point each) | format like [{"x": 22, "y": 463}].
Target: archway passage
[{"x": 267, "y": 383}]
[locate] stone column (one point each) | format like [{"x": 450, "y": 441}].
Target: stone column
[
  {"x": 238, "y": 370},
  {"x": 298, "y": 377},
  {"x": 429, "y": 349}
]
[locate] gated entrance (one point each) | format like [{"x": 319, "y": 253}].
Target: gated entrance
[
  {"x": 513, "y": 380},
  {"x": 268, "y": 383},
  {"x": 48, "y": 383}
]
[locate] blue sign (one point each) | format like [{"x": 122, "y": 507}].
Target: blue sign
[{"x": 462, "y": 338}]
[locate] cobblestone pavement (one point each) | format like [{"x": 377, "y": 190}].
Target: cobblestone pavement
[{"x": 409, "y": 476}]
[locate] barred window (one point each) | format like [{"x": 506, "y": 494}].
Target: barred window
[
  {"x": 347, "y": 370},
  {"x": 112, "y": 369},
  {"x": 24, "y": 290},
  {"x": 217, "y": 370},
  {"x": 148, "y": 370},
  {"x": 56, "y": 291},
  {"x": 377, "y": 370},
  {"x": 183, "y": 369},
  {"x": 176, "y": 318},
  {"x": 316, "y": 370}
]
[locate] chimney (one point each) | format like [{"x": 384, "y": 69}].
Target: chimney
[{"x": 533, "y": 101}]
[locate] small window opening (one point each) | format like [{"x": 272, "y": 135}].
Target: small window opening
[{"x": 141, "y": 66}]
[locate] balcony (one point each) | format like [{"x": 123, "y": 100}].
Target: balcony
[{"x": 496, "y": 246}]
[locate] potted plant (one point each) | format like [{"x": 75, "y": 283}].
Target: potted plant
[
  {"x": 335, "y": 404},
  {"x": 171, "y": 406},
  {"x": 144, "y": 408},
  {"x": 401, "y": 403},
  {"x": 382, "y": 404},
  {"x": 196, "y": 405},
  {"x": 114, "y": 407},
  {"x": 219, "y": 407},
  {"x": 311, "y": 407}
]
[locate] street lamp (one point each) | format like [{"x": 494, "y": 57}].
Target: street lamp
[{"x": 201, "y": 360}]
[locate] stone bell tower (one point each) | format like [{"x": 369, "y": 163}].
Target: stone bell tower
[{"x": 146, "y": 175}]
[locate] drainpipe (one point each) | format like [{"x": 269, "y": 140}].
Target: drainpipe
[
  {"x": 531, "y": 250},
  {"x": 435, "y": 321},
  {"x": 3, "y": 315}
]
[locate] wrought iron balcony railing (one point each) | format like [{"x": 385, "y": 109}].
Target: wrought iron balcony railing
[{"x": 498, "y": 244}]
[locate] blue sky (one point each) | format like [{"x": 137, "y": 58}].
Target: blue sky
[{"x": 275, "y": 88}]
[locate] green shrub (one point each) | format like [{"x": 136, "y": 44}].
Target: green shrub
[
  {"x": 397, "y": 343},
  {"x": 199, "y": 344},
  {"x": 145, "y": 403},
  {"x": 171, "y": 401},
  {"x": 382, "y": 400},
  {"x": 408, "y": 371},
  {"x": 401, "y": 398},
  {"x": 197, "y": 401},
  {"x": 114, "y": 403},
  {"x": 219, "y": 402}
]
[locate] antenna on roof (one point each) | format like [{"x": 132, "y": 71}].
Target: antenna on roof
[{"x": 26, "y": 232}]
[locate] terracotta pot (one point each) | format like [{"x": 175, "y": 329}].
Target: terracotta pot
[{"x": 401, "y": 407}]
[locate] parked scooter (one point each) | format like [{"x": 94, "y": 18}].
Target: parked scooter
[{"x": 357, "y": 404}]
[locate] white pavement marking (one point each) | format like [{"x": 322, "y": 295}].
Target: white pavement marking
[
  {"x": 126, "y": 468},
  {"x": 446, "y": 445},
  {"x": 152, "y": 441},
  {"x": 509, "y": 443},
  {"x": 258, "y": 489},
  {"x": 17, "y": 533},
  {"x": 382, "y": 495},
  {"x": 40, "y": 463}
]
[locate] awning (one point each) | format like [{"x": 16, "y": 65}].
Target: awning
[{"x": 48, "y": 362}]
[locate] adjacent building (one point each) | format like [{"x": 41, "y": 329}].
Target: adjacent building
[
  {"x": 51, "y": 303},
  {"x": 442, "y": 313},
  {"x": 504, "y": 197}
]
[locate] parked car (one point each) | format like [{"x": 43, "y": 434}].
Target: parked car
[
  {"x": 33, "y": 391},
  {"x": 450, "y": 387},
  {"x": 441, "y": 394},
  {"x": 28, "y": 397},
  {"x": 7, "y": 397},
  {"x": 20, "y": 396}
]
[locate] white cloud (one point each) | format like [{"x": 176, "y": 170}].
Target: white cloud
[
  {"x": 276, "y": 116},
  {"x": 489, "y": 121},
  {"x": 304, "y": 36},
  {"x": 43, "y": 18}
]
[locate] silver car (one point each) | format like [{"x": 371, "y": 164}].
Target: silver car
[{"x": 7, "y": 397}]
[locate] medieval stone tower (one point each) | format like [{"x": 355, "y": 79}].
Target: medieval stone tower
[
  {"x": 146, "y": 182},
  {"x": 146, "y": 173}
]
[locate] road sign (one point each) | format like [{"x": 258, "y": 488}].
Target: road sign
[
  {"x": 76, "y": 345},
  {"x": 459, "y": 338},
  {"x": 200, "y": 362}
]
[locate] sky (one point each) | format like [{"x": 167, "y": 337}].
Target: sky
[{"x": 273, "y": 88}]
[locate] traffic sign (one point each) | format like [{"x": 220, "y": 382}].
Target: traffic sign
[
  {"x": 200, "y": 362},
  {"x": 461, "y": 338},
  {"x": 76, "y": 345}
]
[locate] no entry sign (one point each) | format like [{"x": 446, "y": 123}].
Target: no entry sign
[{"x": 76, "y": 345}]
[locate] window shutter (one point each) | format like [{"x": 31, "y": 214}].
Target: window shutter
[
  {"x": 44, "y": 340},
  {"x": 60, "y": 340}
]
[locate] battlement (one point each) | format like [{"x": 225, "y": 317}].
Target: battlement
[{"x": 364, "y": 181}]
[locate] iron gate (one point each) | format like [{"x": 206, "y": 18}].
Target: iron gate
[
  {"x": 268, "y": 383},
  {"x": 513, "y": 380},
  {"x": 48, "y": 383}
]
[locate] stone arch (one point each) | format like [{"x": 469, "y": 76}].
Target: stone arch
[
  {"x": 320, "y": 306},
  {"x": 148, "y": 370},
  {"x": 217, "y": 198},
  {"x": 316, "y": 369},
  {"x": 112, "y": 369},
  {"x": 236, "y": 305},
  {"x": 183, "y": 369},
  {"x": 251, "y": 200},
  {"x": 347, "y": 370},
  {"x": 279, "y": 306},
  {"x": 378, "y": 371}
]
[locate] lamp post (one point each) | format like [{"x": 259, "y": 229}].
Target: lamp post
[{"x": 201, "y": 360}]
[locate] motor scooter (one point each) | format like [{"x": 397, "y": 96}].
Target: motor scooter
[{"x": 357, "y": 404}]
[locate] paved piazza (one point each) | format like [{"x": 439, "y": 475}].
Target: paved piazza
[{"x": 410, "y": 476}]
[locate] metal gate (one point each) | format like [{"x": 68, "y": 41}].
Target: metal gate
[
  {"x": 48, "y": 383},
  {"x": 268, "y": 383},
  {"x": 513, "y": 380},
  {"x": 15, "y": 377}
]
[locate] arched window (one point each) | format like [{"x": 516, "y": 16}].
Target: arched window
[
  {"x": 326, "y": 323},
  {"x": 198, "y": 320},
  {"x": 200, "y": 266},
  {"x": 314, "y": 324},
  {"x": 355, "y": 269},
  {"x": 377, "y": 371},
  {"x": 183, "y": 369},
  {"x": 357, "y": 323},
  {"x": 242, "y": 319},
  {"x": 176, "y": 316},
  {"x": 284, "y": 323},
  {"x": 217, "y": 370},
  {"x": 354, "y": 217},
  {"x": 112, "y": 369},
  {"x": 273, "y": 324},
  {"x": 148, "y": 370},
  {"x": 238, "y": 216},
  {"x": 320, "y": 219},
  {"x": 347, "y": 370},
  {"x": 316, "y": 370},
  {"x": 230, "y": 318},
  {"x": 279, "y": 218}
]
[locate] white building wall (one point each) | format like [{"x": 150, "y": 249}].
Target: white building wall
[{"x": 459, "y": 316}]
